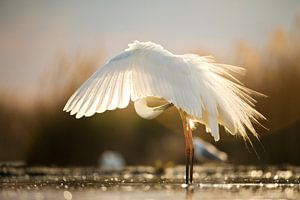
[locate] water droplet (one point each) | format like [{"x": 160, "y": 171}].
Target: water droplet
[
  {"x": 67, "y": 195},
  {"x": 256, "y": 173},
  {"x": 184, "y": 185},
  {"x": 268, "y": 175}
]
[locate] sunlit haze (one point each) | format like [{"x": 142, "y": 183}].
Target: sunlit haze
[{"x": 34, "y": 34}]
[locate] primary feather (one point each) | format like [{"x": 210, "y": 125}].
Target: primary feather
[{"x": 204, "y": 89}]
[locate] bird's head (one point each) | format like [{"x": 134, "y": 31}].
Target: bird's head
[{"x": 150, "y": 112}]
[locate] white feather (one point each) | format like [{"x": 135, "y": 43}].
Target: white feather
[{"x": 207, "y": 91}]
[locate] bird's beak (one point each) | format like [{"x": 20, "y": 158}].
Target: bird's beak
[{"x": 163, "y": 107}]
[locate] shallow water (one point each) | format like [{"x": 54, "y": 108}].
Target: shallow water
[{"x": 212, "y": 181}]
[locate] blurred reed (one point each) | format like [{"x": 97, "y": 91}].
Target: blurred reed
[{"x": 44, "y": 134}]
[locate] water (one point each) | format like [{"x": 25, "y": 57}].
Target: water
[{"x": 212, "y": 181}]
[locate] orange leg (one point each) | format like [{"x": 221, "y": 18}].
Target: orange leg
[
  {"x": 191, "y": 159},
  {"x": 187, "y": 152},
  {"x": 189, "y": 149}
]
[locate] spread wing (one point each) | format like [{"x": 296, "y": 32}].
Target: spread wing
[
  {"x": 205, "y": 90},
  {"x": 138, "y": 72}
]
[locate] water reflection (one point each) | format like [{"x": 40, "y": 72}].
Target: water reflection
[
  {"x": 211, "y": 182},
  {"x": 189, "y": 193}
]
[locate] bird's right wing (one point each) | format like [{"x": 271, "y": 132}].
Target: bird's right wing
[
  {"x": 134, "y": 74},
  {"x": 197, "y": 85}
]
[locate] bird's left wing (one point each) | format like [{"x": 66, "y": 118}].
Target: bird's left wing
[
  {"x": 142, "y": 70},
  {"x": 197, "y": 85},
  {"x": 107, "y": 89}
]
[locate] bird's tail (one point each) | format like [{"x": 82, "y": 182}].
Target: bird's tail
[{"x": 234, "y": 105}]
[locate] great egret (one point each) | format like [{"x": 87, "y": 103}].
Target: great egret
[{"x": 202, "y": 90}]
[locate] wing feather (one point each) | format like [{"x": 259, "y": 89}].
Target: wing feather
[
  {"x": 103, "y": 91},
  {"x": 88, "y": 109},
  {"x": 207, "y": 91},
  {"x": 125, "y": 92},
  {"x": 94, "y": 101},
  {"x": 107, "y": 92}
]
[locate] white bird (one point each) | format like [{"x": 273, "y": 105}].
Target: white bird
[
  {"x": 202, "y": 90},
  {"x": 204, "y": 151},
  {"x": 111, "y": 160}
]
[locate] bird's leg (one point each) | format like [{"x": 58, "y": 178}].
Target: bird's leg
[
  {"x": 192, "y": 166},
  {"x": 187, "y": 147},
  {"x": 187, "y": 154},
  {"x": 191, "y": 160}
]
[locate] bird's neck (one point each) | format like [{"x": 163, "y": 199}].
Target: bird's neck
[{"x": 146, "y": 112}]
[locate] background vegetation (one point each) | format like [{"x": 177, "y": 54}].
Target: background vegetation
[{"x": 40, "y": 132}]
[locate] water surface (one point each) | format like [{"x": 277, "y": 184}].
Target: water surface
[{"x": 212, "y": 181}]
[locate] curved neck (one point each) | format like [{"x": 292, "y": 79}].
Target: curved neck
[{"x": 146, "y": 112}]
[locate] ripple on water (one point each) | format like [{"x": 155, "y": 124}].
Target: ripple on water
[{"x": 226, "y": 181}]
